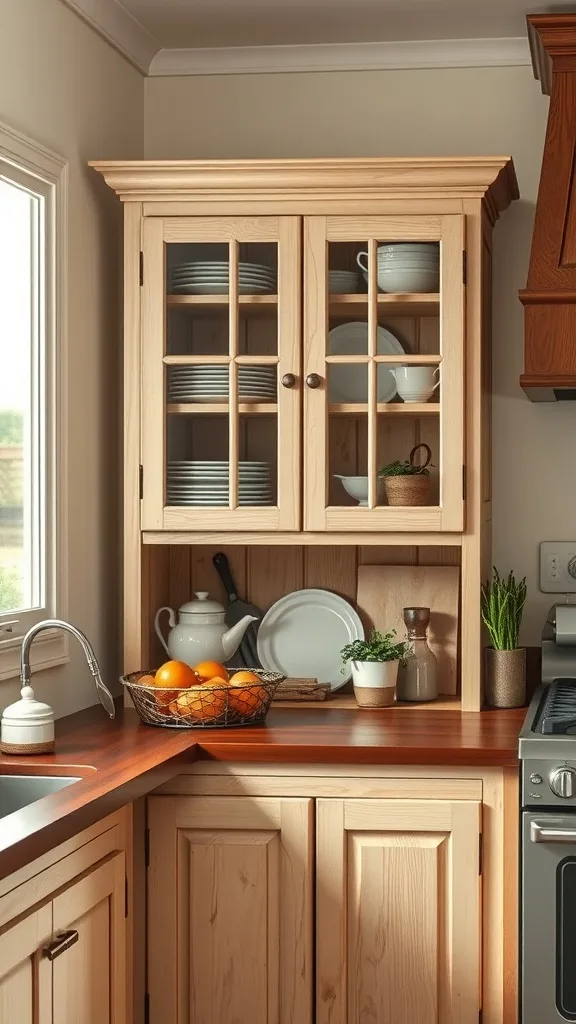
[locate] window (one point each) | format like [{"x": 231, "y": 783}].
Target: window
[{"x": 31, "y": 535}]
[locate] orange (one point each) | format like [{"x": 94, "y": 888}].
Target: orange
[
  {"x": 243, "y": 676},
  {"x": 249, "y": 698},
  {"x": 206, "y": 670},
  {"x": 175, "y": 674},
  {"x": 147, "y": 680},
  {"x": 200, "y": 703}
]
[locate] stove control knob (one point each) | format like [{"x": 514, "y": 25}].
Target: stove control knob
[{"x": 563, "y": 782}]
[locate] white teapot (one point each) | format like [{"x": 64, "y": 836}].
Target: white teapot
[{"x": 201, "y": 633}]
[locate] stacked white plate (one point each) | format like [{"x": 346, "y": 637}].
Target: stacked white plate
[
  {"x": 212, "y": 382},
  {"x": 212, "y": 278},
  {"x": 205, "y": 483},
  {"x": 406, "y": 266},
  {"x": 343, "y": 282}
]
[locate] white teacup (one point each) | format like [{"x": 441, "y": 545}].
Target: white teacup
[{"x": 416, "y": 383}]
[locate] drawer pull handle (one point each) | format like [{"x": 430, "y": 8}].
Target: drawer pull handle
[
  {"x": 61, "y": 943},
  {"x": 538, "y": 834}
]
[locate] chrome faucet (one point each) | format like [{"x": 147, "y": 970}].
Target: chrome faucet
[{"x": 104, "y": 694}]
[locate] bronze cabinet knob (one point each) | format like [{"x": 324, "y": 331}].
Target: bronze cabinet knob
[
  {"x": 313, "y": 380},
  {"x": 288, "y": 380}
]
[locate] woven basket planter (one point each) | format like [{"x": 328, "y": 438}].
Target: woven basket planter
[
  {"x": 408, "y": 490},
  {"x": 412, "y": 488}
]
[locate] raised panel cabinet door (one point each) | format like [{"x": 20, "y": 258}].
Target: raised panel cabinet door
[
  {"x": 89, "y": 977},
  {"x": 398, "y": 911},
  {"x": 221, "y": 373},
  {"x": 384, "y": 303},
  {"x": 25, "y": 974},
  {"x": 230, "y": 910}
]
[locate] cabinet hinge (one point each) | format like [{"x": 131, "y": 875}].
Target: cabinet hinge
[
  {"x": 464, "y": 266},
  {"x": 126, "y": 896},
  {"x": 147, "y": 847},
  {"x": 141, "y": 482},
  {"x": 147, "y": 1008},
  {"x": 480, "y": 855},
  {"x": 141, "y": 268},
  {"x": 464, "y": 484}
]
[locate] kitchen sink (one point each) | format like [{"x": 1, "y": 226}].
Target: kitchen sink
[{"x": 17, "y": 791}]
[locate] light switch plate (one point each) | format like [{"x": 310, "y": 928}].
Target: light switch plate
[{"x": 558, "y": 566}]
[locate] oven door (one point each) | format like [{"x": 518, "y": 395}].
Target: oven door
[{"x": 548, "y": 987}]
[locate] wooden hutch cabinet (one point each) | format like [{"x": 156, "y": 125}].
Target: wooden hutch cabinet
[{"x": 298, "y": 376}]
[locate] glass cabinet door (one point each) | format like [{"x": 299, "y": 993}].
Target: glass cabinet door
[
  {"x": 221, "y": 374},
  {"x": 383, "y": 373}
]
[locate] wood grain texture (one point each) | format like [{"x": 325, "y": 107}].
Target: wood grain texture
[
  {"x": 549, "y": 297},
  {"x": 236, "y": 940},
  {"x": 383, "y": 592},
  {"x": 130, "y": 759},
  {"x": 398, "y": 911},
  {"x": 25, "y": 977},
  {"x": 89, "y": 981}
]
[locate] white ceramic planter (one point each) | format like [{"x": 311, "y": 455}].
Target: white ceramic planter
[{"x": 374, "y": 682}]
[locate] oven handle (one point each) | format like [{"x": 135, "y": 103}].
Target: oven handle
[{"x": 551, "y": 835}]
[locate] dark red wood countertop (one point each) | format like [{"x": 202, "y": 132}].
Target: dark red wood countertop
[{"x": 122, "y": 760}]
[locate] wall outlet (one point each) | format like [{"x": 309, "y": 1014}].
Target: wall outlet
[{"x": 558, "y": 566}]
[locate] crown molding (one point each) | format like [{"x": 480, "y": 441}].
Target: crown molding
[
  {"x": 113, "y": 22},
  {"x": 261, "y": 60},
  {"x": 490, "y": 178}
]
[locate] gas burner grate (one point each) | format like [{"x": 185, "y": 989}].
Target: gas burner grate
[{"x": 558, "y": 710}]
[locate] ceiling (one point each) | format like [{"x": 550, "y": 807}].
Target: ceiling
[{"x": 221, "y": 23}]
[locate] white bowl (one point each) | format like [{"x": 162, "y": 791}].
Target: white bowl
[
  {"x": 407, "y": 280},
  {"x": 357, "y": 487}
]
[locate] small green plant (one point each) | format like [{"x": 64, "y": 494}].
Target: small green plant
[
  {"x": 503, "y": 600},
  {"x": 378, "y": 647},
  {"x": 406, "y": 468}
]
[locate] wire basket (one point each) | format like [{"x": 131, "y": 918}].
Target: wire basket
[{"x": 200, "y": 707}]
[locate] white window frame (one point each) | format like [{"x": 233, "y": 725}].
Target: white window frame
[{"x": 32, "y": 166}]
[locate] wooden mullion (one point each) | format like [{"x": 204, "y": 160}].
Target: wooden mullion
[{"x": 233, "y": 394}]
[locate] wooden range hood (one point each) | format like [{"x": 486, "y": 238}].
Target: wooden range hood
[{"x": 549, "y": 298}]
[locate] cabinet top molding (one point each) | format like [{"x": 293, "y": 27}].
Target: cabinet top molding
[
  {"x": 491, "y": 178},
  {"x": 552, "y": 40}
]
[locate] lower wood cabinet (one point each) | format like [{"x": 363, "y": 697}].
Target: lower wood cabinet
[
  {"x": 63, "y": 932},
  {"x": 231, "y": 899},
  {"x": 229, "y": 910},
  {"x": 65, "y": 963},
  {"x": 398, "y": 911}
]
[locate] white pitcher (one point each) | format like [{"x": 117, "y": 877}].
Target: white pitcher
[
  {"x": 416, "y": 383},
  {"x": 201, "y": 634}
]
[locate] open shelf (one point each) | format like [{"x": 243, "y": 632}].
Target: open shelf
[
  {"x": 387, "y": 408},
  {"x": 413, "y": 304},
  {"x": 195, "y": 408}
]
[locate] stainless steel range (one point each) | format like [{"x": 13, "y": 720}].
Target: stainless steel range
[{"x": 548, "y": 852}]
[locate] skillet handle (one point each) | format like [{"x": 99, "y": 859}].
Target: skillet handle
[{"x": 222, "y": 567}]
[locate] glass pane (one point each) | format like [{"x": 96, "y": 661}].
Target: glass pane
[
  {"x": 197, "y": 460},
  {"x": 198, "y": 292},
  {"x": 257, "y": 469},
  {"x": 566, "y": 938},
  {"x": 21, "y": 398}
]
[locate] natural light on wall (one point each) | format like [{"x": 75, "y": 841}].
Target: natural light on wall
[{"x": 32, "y": 355}]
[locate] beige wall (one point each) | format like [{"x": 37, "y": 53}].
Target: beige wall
[
  {"x": 65, "y": 87},
  {"x": 415, "y": 113}
]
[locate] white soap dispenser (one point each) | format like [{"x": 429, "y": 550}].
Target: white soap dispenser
[{"x": 27, "y": 726}]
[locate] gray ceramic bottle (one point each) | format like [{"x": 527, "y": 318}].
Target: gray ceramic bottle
[{"x": 418, "y": 673}]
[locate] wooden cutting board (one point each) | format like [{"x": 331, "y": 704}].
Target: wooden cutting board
[{"x": 384, "y": 590}]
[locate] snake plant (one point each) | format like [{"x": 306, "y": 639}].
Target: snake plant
[{"x": 503, "y": 600}]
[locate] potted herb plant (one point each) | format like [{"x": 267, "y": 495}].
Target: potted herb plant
[
  {"x": 503, "y": 600},
  {"x": 405, "y": 482},
  {"x": 374, "y": 664}
]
